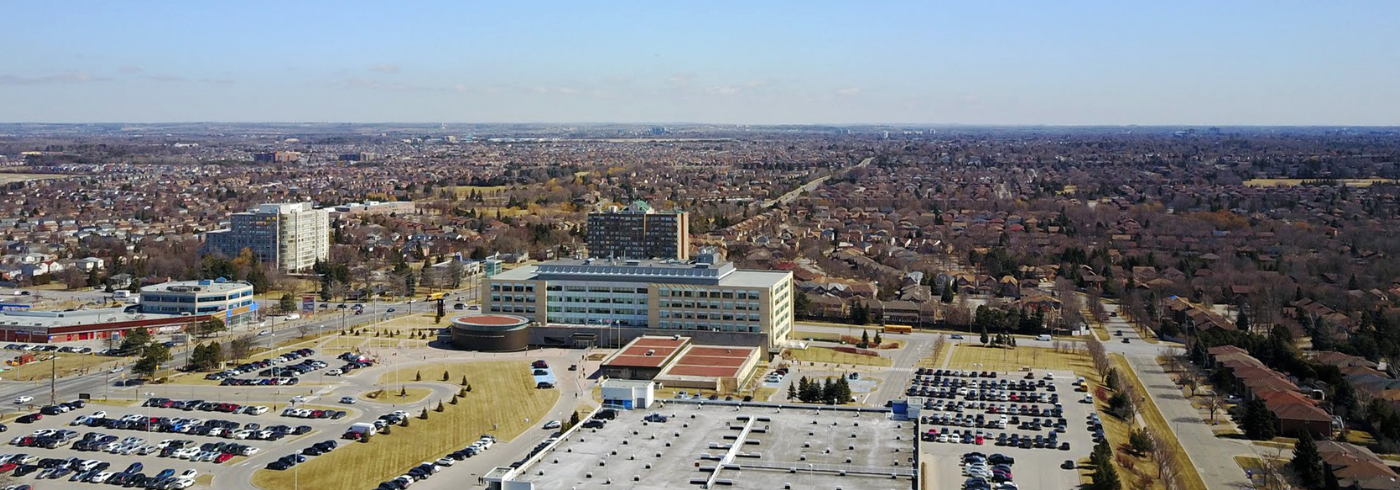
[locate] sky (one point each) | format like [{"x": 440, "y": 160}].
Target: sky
[{"x": 1179, "y": 62}]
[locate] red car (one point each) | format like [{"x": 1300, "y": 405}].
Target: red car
[
  {"x": 222, "y": 458},
  {"x": 5, "y": 468}
]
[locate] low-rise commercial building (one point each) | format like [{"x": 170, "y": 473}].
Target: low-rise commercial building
[{"x": 230, "y": 301}]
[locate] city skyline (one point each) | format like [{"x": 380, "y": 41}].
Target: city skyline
[{"x": 1089, "y": 63}]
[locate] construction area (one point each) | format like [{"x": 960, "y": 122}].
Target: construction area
[{"x": 692, "y": 445}]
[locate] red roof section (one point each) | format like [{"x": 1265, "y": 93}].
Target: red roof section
[
  {"x": 635, "y": 355},
  {"x": 716, "y": 362}
]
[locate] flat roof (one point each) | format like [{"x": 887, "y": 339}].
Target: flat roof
[
  {"x": 648, "y": 271},
  {"x": 634, "y": 354},
  {"x": 12, "y": 319},
  {"x": 491, "y": 320},
  {"x": 711, "y": 362},
  {"x": 203, "y": 286},
  {"x": 670, "y": 455}
]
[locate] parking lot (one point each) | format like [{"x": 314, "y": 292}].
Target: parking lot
[
  {"x": 1036, "y": 420},
  {"x": 210, "y": 438},
  {"x": 731, "y": 445}
]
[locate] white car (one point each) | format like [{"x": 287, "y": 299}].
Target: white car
[
  {"x": 100, "y": 414},
  {"x": 23, "y": 399},
  {"x": 117, "y": 369},
  {"x": 188, "y": 474},
  {"x": 333, "y": 372},
  {"x": 101, "y": 477},
  {"x": 553, "y": 424},
  {"x": 262, "y": 333}
]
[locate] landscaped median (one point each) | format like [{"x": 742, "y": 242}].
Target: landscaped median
[{"x": 503, "y": 396}]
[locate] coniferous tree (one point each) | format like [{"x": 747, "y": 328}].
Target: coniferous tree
[{"x": 1307, "y": 463}]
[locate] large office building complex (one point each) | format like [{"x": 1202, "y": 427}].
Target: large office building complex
[
  {"x": 704, "y": 298},
  {"x": 292, "y": 236},
  {"x": 639, "y": 232}
]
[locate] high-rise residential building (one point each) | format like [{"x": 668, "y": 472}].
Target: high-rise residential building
[
  {"x": 291, "y": 236},
  {"x": 639, "y": 232}
]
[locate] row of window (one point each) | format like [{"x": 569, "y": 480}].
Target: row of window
[
  {"x": 712, "y": 294},
  {"x": 516, "y": 298},
  {"x": 512, "y": 309},
  {"x": 597, "y": 289},
  {"x": 512, "y": 287},
  {"x": 690, "y": 315},
  {"x": 588, "y": 299},
  {"x": 709, "y": 327},
  {"x": 712, "y": 305}
]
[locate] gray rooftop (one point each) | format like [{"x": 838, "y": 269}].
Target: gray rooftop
[
  {"x": 49, "y": 319},
  {"x": 645, "y": 271}
]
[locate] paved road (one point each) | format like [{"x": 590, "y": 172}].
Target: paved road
[
  {"x": 808, "y": 187},
  {"x": 98, "y": 383},
  {"x": 1212, "y": 456}
]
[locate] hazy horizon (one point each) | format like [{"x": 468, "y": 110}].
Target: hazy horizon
[{"x": 1095, "y": 63}]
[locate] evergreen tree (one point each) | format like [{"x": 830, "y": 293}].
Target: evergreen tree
[
  {"x": 1260, "y": 423},
  {"x": 877, "y": 339},
  {"x": 1329, "y": 479},
  {"x": 1307, "y": 463},
  {"x": 288, "y": 303},
  {"x": 864, "y": 339},
  {"x": 135, "y": 340},
  {"x": 985, "y": 338},
  {"x": 792, "y": 391},
  {"x": 947, "y": 296}
]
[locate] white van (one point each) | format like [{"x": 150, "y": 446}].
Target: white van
[{"x": 1043, "y": 337}]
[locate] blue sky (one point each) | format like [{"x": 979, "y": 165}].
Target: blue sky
[{"x": 976, "y": 62}]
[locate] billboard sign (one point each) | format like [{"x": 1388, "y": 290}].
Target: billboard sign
[{"x": 308, "y": 304}]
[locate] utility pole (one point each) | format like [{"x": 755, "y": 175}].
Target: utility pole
[{"x": 53, "y": 379}]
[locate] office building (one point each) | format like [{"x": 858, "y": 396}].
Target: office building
[
  {"x": 277, "y": 157},
  {"x": 230, "y": 301},
  {"x": 291, "y": 237},
  {"x": 639, "y": 232},
  {"x": 727, "y": 305}
]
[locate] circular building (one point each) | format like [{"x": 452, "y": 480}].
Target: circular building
[{"x": 490, "y": 333}]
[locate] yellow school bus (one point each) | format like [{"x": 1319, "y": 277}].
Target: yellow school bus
[
  {"x": 898, "y": 329},
  {"x": 436, "y": 296}
]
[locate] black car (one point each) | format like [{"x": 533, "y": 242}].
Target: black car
[
  {"x": 1068, "y": 465},
  {"x": 594, "y": 424},
  {"x": 29, "y": 418},
  {"x": 606, "y": 414}
]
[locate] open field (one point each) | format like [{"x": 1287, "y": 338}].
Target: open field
[
  {"x": 9, "y": 178},
  {"x": 503, "y": 396},
  {"x": 1013, "y": 359},
  {"x": 463, "y": 191},
  {"x": 832, "y": 356},
  {"x": 1296, "y": 182},
  {"x": 1153, "y": 418},
  {"x": 390, "y": 395},
  {"x": 886, "y": 343},
  {"x": 67, "y": 365}
]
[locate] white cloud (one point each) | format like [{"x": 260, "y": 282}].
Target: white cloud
[
  {"x": 848, "y": 91},
  {"x": 680, "y": 79},
  {"x": 129, "y": 69},
  {"x": 384, "y": 68},
  {"x": 65, "y": 77}
]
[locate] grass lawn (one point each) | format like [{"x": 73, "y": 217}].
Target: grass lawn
[
  {"x": 832, "y": 356},
  {"x": 392, "y": 396},
  {"x": 67, "y": 365},
  {"x": 1012, "y": 360},
  {"x": 886, "y": 343},
  {"x": 1153, "y": 417},
  {"x": 503, "y": 395},
  {"x": 1360, "y": 437},
  {"x": 1295, "y": 182},
  {"x": 115, "y": 402}
]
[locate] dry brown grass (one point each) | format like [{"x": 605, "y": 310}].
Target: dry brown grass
[
  {"x": 503, "y": 396},
  {"x": 832, "y": 356},
  {"x": 390, "y": 395},
  {"x": 1158, "y": 424},
  {"x": 67, "y": 365},
  {"x": 965, "y": 356}
]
